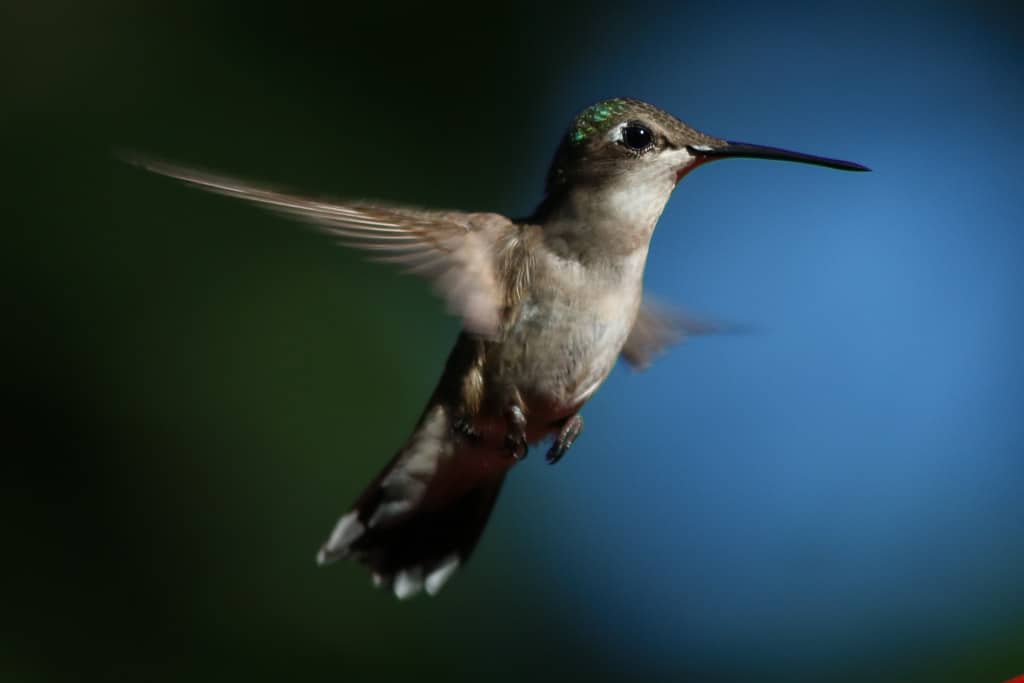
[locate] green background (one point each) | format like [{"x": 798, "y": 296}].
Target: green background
[{"x": 199, "y": 389}]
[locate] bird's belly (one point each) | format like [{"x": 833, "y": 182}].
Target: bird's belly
[{"x": 557, "y": 355}]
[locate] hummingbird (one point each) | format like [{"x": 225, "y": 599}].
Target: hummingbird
[{"x": 548, "y": 304}]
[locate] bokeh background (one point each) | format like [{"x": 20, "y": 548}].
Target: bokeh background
[{"x": 196, "y": 389}]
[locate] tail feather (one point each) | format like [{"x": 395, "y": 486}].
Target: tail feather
[{"x": 423, "y": 515}]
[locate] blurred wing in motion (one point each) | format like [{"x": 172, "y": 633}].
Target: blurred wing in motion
[
  {"x": 659, "y": 326},
  {"x": 455, "y": 250}
]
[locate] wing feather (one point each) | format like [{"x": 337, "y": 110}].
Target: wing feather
[
  {"x": 659, "y": 326},
  {"x": 455, "y": 250}
]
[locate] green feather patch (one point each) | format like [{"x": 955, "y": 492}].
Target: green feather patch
[{"x": 596, "y": 119}]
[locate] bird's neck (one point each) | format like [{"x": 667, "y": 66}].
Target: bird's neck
[{"x": 594, "y": 225}]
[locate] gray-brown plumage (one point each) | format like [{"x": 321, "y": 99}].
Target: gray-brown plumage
[{"x": 548, "y": 303}]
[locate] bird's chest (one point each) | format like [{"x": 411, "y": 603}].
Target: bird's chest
[{"x": 563, "y": 340}]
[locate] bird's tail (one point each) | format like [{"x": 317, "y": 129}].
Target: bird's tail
[{"x": 422, "y": 516}]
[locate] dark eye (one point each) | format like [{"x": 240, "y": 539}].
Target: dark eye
[{"x": 637, "y": 137}]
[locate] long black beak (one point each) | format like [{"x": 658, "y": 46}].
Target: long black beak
[{"x": 747, "y": 150}]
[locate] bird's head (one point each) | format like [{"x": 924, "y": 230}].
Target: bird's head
[{"x": 639, "y": 152}]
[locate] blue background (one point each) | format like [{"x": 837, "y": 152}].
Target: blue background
[
  {"x": 199, "y": 389},
  {"x": 848, "y": 475}
]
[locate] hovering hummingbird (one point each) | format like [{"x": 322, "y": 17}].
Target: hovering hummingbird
[{"x": 548, "y": 304}]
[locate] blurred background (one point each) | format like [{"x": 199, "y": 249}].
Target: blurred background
[{"x": 196, "y": 389}]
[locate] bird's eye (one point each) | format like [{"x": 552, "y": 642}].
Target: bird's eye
[{"x": 637, "y": 137}]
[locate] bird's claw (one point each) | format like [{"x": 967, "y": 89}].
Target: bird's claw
[
  {"x": 565, "y": 439},
  {"x": 516, "y": 446},
  {"x": 464, "y": 427},
  {"x": 516, "y": 436}
]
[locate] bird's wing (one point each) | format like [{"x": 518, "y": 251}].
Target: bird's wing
[
  {"x": 454, "y": 250},
  {"x": 659, "y": 326}
]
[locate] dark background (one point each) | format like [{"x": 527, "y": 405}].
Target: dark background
[{"x": 196, "y": 389}]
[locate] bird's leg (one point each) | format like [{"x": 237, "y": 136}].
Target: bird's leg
[
  {"x": 516, "y": 435},
  {"x": 571, "y": 429}
]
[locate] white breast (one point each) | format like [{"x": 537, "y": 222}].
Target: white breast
[{"x": 570, "y": 330}]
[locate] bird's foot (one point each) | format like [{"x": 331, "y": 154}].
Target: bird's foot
[
  {"x": 465, "y": 427},
  {"x": 566, "y": 437},
  {"x": 516, "y": 436}
]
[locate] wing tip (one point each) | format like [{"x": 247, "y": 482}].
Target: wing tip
[
  {"x": 147, "y": 162},
  {"x": 133, "y": 157}
]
